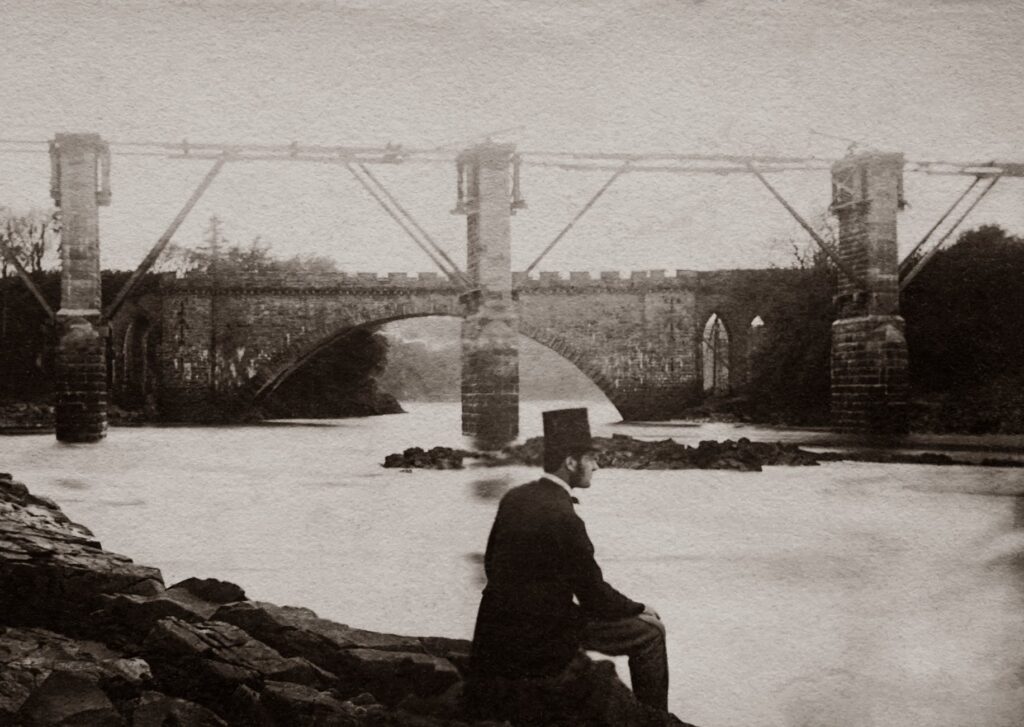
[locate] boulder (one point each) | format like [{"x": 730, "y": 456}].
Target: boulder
[
  {"x": 25, "y": 418},
  {"x": 29, "y": 656},
  {"x": 153, "y": 709},
  {"x": 297, "y": 631},
  {"x": 295, "y": 704},
  {"x": 387, "y": 665},
  {"x": 587, "y": 694},
  {"x": 207, "y": 590},
  {"x": 126, "y": 619},
  {"x": 287, "y": 703},
  {"x": 207, "y": 661},
  {"x": 454, "y": 650},
  {"x": 623, "y": 452},
  {"x": 392, "y": 675},
  {"x": 68, "y": 698},
  {"x": 53, "y": 571},
  {"x": 437, "y": 458}
]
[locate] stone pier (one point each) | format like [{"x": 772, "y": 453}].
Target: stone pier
[
  {"x": 869, "y": 350},
  {"x": 80, "y": 171},
  {"x": 490, "y": 352}
]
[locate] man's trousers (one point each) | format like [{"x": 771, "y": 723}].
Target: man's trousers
[{"x": 644, "y": 643}]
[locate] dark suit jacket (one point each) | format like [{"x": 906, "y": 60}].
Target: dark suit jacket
[{"x": 538, "y": 557}]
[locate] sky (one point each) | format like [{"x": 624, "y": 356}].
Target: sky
[{"x": 934, "y": 80}]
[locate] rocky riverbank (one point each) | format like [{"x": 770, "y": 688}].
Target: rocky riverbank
[
  {"x": 89, "y": 638},
  {"x": 37, "y": 418},
  {"x": 622, "y": 452},
  {"x": 25, "y": 418}
]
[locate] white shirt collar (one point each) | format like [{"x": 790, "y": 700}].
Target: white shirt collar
[{"x": 558, "y": 481}]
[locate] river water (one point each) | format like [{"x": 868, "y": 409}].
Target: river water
[{"x": 846, "y": 595}]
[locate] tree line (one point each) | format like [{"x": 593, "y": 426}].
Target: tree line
[{"x": 963, "y": 315}]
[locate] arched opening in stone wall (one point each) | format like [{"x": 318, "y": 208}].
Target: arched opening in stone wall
[
  {"x": 756, "y": 339},
  {"x": 138, "y": 363},
  {"x": 715, "y": 356},
  {"x": 424, "y": 363},
  {"x": 755, "y": 334}
]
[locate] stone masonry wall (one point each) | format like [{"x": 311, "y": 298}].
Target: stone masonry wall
[
  {"x": 869, "y": 374},
  {"x": 637, "y": 346},
  {"x": 260, "y": 332},
  {"x": 81, "y": 413},
  {"x": 636, "y": 336}
]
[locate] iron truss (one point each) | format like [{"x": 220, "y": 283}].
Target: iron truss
[
  {"x": 355, "y": 158},
  {"x": 574, "y": 161}
]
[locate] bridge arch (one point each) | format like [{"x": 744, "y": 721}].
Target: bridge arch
[
  {"x": 279, "y": 372},
  {"x": 573, "y": 355},
  {"x": 270, "y": 377}
]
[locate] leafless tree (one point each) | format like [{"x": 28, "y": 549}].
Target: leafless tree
[{"x": 29, "y": 235}]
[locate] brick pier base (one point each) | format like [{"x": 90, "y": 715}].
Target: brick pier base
[
  {"x": 869, "y": 375},
  {"x": 490, "y": 376},
  {"x": 81, "y": 412}
]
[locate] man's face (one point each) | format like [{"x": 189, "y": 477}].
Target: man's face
[{"x": 581, "y": 469}]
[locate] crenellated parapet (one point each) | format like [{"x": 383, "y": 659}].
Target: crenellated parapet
[
  {"x": 643, "y": 280},
  {"x": 612, "y": 279}
]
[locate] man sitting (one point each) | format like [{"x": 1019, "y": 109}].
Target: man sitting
[{"x": 539, "y": 558}]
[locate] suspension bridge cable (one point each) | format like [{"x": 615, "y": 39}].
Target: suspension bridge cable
[
  {"x": 590, "y": 203},
  {"x": 905, "y": 280},
  {"x": 907, "y": 261},
  {"x": 401, "y": 223},
  {"x": 412, "y": 220}
]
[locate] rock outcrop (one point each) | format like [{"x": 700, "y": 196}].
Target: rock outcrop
[
  {"x": 89, "y": 638},
  {"x": 624, "y": 453},
  {"x": 25, "y": 417},
  {"x": 435, "y": 458}
]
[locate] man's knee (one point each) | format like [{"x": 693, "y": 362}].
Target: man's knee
[{"x": 654, "y": 626}]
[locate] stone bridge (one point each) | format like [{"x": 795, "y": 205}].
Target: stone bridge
[{"x": 652, "y": 342}]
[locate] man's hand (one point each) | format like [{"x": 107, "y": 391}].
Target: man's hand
[{"x": 651, "y": 616}]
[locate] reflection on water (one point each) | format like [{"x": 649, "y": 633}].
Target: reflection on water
[
  {"x": 479, "y": 577},
  {"x": 490, "y": 489},
  {"x": 843, "y": 595}
]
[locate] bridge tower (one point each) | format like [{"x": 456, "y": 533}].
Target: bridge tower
[
  {"x": 79, "y": 184},
  {"x": 490, "y": 346},
  {"x": 869, "y": 350}
]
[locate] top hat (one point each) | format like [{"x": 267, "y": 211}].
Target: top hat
[{"x": 566, "y": 432}]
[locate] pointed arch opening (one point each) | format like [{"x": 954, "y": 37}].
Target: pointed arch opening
[
  {"x": 138, "y": 359},
  {"x": 715, "y": 356},
  {"x": 756, "y": 334}
]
